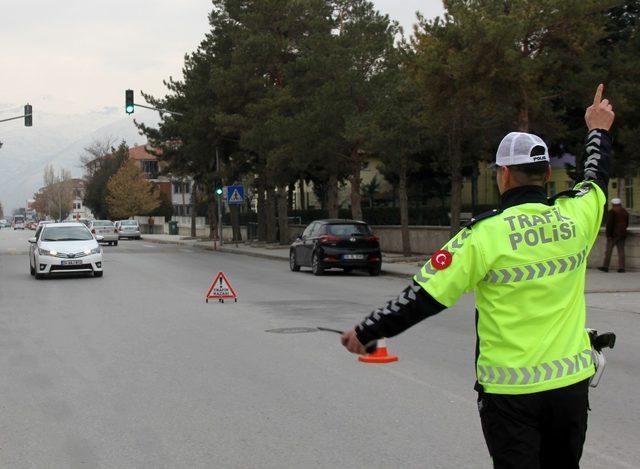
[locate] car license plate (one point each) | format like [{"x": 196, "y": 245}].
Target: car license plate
[
  {"x": 353, "y": 257},
  {"x": 74, "y": 262}
]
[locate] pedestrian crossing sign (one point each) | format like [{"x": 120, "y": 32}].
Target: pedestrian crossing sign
[
  {"x": 221, "y": 289},
  {"x": 235, "y": 195}
]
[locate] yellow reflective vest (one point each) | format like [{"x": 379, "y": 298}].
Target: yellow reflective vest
[{"x": 527, "y": 267}]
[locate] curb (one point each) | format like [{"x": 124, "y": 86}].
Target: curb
[{"x": 254, "y": 254}]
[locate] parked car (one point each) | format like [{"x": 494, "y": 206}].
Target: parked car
[
  {"x": 344, "y": 244},
  {"x": 4, "y": 224},
  {"x": 128, "y": 229},
  {"x": 64, "y": 248},
  {"x": 106, "y": 229}
]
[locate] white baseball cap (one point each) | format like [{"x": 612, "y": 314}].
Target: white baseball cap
[
  {"x": 521, "y": 148},
  {"x": 616, "y": 201}
]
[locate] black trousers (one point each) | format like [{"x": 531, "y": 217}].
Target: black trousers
[{"x": 536, "y": 431}]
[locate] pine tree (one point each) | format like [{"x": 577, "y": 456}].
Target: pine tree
[{"x": 96, "y": 183}]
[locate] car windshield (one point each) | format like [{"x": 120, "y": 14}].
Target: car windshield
[
  {"x": 129, "y": 223},
  {"x": 348, "y": 229},
  {"x": 66, "y": 233},
  {"x": 102, "y": 223}
]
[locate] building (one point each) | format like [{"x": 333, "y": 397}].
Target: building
[
  {"x": 181, "y": 191},
  {"x": 78, "y": 209},
  {"x": 151, "y": 168}
]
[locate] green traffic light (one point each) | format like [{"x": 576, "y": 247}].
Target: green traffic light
[
  {"x": 128, "y": 101},
  {"x": 219, "y": 191}
]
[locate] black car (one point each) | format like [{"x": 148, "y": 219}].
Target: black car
[{"x": 343, "y": 244}]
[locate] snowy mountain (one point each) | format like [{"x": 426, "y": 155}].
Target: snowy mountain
[{"x": 57, "y": 140}]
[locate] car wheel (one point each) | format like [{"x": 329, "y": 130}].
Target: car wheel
[
  {"x": 115, "y": 243},
  {"x": 316, "y": 268},
  {"x": 39, "y": 276},
  {"x": 375, "y": 271},
  {"x": 292, "y": 262},
  {"x": 31, "y": 269},
  {"x": 348, "y": 270},
  {"x": 98, "y": 274}
]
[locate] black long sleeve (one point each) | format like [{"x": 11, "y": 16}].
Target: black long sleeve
[
  {"x": 412, "y": 306},
  {"x": 598, "y": 158}
]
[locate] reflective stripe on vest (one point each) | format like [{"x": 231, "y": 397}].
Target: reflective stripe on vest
[
  {"x": 535, "y": 374},
  {"x": 537, "y": 270}
]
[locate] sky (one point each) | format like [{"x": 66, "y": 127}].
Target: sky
[{"x": 77, "y": 56}]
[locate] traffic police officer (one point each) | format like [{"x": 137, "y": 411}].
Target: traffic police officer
[{"x": 526, "y": 263}]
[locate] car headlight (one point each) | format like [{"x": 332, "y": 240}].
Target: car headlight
[
  {"x": 93, "y": 251},
  {"x": 46, "y": 252}
]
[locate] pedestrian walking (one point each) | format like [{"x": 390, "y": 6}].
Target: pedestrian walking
[
  {"x": 151, "y": 223},
  {"x": 526, "y": 262},
  {"x": 617, "y": 224}
]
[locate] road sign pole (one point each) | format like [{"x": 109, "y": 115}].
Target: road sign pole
[{"x": 219, "y": 200}]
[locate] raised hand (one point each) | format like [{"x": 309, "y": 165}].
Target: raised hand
[{"x": 600, "y": 114}]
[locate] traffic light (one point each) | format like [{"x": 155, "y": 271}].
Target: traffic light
[
  {"x": 128, "y": 101},
  {"x": 28, "y": 115},
  {"x": 218, "y": 191}
]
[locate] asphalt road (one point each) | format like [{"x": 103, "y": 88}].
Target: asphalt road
[{"x": 134, "y": 370}]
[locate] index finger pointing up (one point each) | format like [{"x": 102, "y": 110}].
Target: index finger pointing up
[{"x": 598, "y": 97}]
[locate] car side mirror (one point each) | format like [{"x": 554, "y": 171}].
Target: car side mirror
[
  {"x": 299, "y": 237},
  {"x": 32, "y": 240},
  {"x": 99, "y": 238}
]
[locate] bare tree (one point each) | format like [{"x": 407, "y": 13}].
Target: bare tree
[
  {"x": 56, "y": 196},
  {"x": 98, "y": 148}
]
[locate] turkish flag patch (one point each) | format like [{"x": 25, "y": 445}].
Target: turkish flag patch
[{"x": 441, "y": 259}]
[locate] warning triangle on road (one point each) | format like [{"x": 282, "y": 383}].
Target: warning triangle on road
[
  {"x": 221, "y": 289},
  {"x": 235, "y": 196}
]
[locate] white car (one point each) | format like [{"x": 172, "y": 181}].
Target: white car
[
  {"x": 128, "y": 229},
  {"x": 64, "y": 248},
  {"x": 106, "y": 229}
]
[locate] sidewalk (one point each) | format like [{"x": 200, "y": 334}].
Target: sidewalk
[{"x": 394, "y": 264}]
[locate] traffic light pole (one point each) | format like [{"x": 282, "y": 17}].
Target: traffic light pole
[
  {"x": 27, "y": 116},
  {"x": 130, "y": 105},
  {"x": 166, "y": 111},
  {"x": 13, "y": 118}
]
